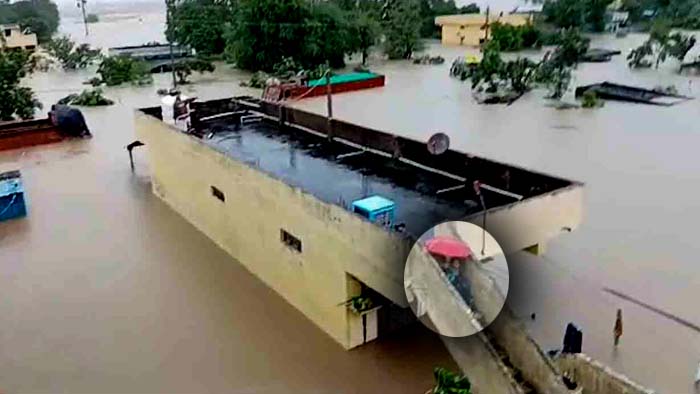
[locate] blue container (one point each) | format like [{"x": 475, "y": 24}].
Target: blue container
[
  {"x": 376, "y": 209},
  {"x": 12, "y": 204}
]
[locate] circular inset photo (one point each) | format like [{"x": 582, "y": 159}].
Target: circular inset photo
[{"x": 456, "y": 279}]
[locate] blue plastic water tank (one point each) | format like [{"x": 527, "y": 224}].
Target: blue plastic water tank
[
  {"x": 376, "y": 209},
  {"x": 12, "y": 203}
]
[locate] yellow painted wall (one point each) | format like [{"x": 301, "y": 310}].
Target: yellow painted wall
[
  {"x": 452, "y": 35},
  {"x": 467, "y": 29},
  {"x": 247, "y": 225}
]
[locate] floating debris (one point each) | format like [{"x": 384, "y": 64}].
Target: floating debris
[
  {"x": 429, "y": 60},
  {"x": 599, "y": 55},
  {"x": 613, "y": 91}
]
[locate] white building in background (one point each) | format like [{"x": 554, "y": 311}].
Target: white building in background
[
  {"x": 616, "y": 20},
  {"x": 12, "y": 36}
]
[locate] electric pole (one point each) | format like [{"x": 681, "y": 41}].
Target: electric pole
[
  {"x": 81, "y": 5},
  {"x": 170, "y": 6}
]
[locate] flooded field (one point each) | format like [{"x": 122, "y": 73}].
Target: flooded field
[{"x": 107, "y": 289}]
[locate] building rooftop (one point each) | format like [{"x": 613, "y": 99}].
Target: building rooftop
[
  {"x": 480, "y": 19},
  {"x": 358, "y": 163},
  {"x": 339, "y": 174}
]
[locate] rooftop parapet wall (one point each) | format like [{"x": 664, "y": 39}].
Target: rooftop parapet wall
[{"x": 596, "y": 378}]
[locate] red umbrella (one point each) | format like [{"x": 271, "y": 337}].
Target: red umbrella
[{"x": 448, "y": 247}]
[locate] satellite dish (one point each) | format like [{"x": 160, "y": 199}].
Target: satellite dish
[{"x": 438, "y": 144}]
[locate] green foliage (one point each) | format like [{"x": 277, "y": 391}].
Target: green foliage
[
  {"x": 200, "y": 24},
  {"x": 447, "y": 382},
  {"x": 184, "y": 68},
  {"x": 515, "y": 38},
  {"x": 490, "y": 69},
  {"x": 591, "y": 100},
  {"x": 92, "y": 18},
  {"x": 660, "y": 31},
  {"x": 596, "y": 14},
  {"x": 662, "y": 44},
  {"x": 116, "y": 70},
  {"x": 571, "y": 48},
  {"x": 638, "y": 57},
  {"x": 267, "y": 31},
  {"x": 402, "y": 21},
  {"x": 70, "y": 55},
  {"x": 365, "y": 33},
  {"x": 554, "y": 70},
  {"x": 565, "y": 13},
  {"x": 87, "y": 98},
  {"x": 679, "y": 45},
  {"x": 16, "y": 101},
  {"x": 359, "y": 304},
  {"x": 518, "y": 76},
  {"x": 576, "y": 13},
  {"x": 327, "y": 36},
  {"x": 39, "y": 16}
]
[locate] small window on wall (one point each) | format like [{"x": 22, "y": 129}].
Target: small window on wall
[
  {"x": 291, "y": 241},
  {"x": 218, "y": 194}
]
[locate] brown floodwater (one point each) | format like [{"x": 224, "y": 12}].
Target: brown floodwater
[{"x": 105, "y": 288}]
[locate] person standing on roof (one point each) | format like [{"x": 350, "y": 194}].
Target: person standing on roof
[{"x": 617, "y": 331}]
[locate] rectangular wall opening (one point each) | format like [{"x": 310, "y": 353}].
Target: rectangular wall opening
[
  {"x": 291, "y": 241},
  {"x": 218, "y": 194}
]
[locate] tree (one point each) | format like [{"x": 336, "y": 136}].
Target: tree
[
  {"x": 16, "y": 101},
  {"x": 571, "y": 48},
  {"x": 326, "y": 36},
  {"x": 596, "y": 14},
  {"x": 184, "y": 68},
  {"x": 201, "y": 24},
  {"x": 265, "y": 31},
  {"x": 92, "y": 18},
  {"x": 662, "y": 44},
  {"x": 637, "y": 58},
  {"x": 555, "y": 69},
  {"x": 402, "y": 21},
  {"x": 577, "y": 13},
  {"x": 39, "y": 16},
  {"x": 364, "y": 32},
  {"x": 679, "y": 45},
  {"x": 490, "y": 68},
  {"x": 70, "y": 55},
  {"x": 116, "y": 70},
  {"x": 565, "y": 13}
]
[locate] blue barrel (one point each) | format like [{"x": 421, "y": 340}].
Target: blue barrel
[{"x": 12, "y": 204}]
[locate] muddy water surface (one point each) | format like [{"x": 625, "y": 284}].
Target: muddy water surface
[{"x": 94, "y": 226}]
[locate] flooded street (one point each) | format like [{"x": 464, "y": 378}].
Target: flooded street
[
  {"x": 641, "y": 173},
  {"x": 107, "y": 289}
]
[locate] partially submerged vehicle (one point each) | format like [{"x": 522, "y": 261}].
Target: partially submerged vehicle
[{"x": 613, "y": 91}]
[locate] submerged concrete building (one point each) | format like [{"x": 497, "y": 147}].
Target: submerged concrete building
[{"x": 274, "y": 187}]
